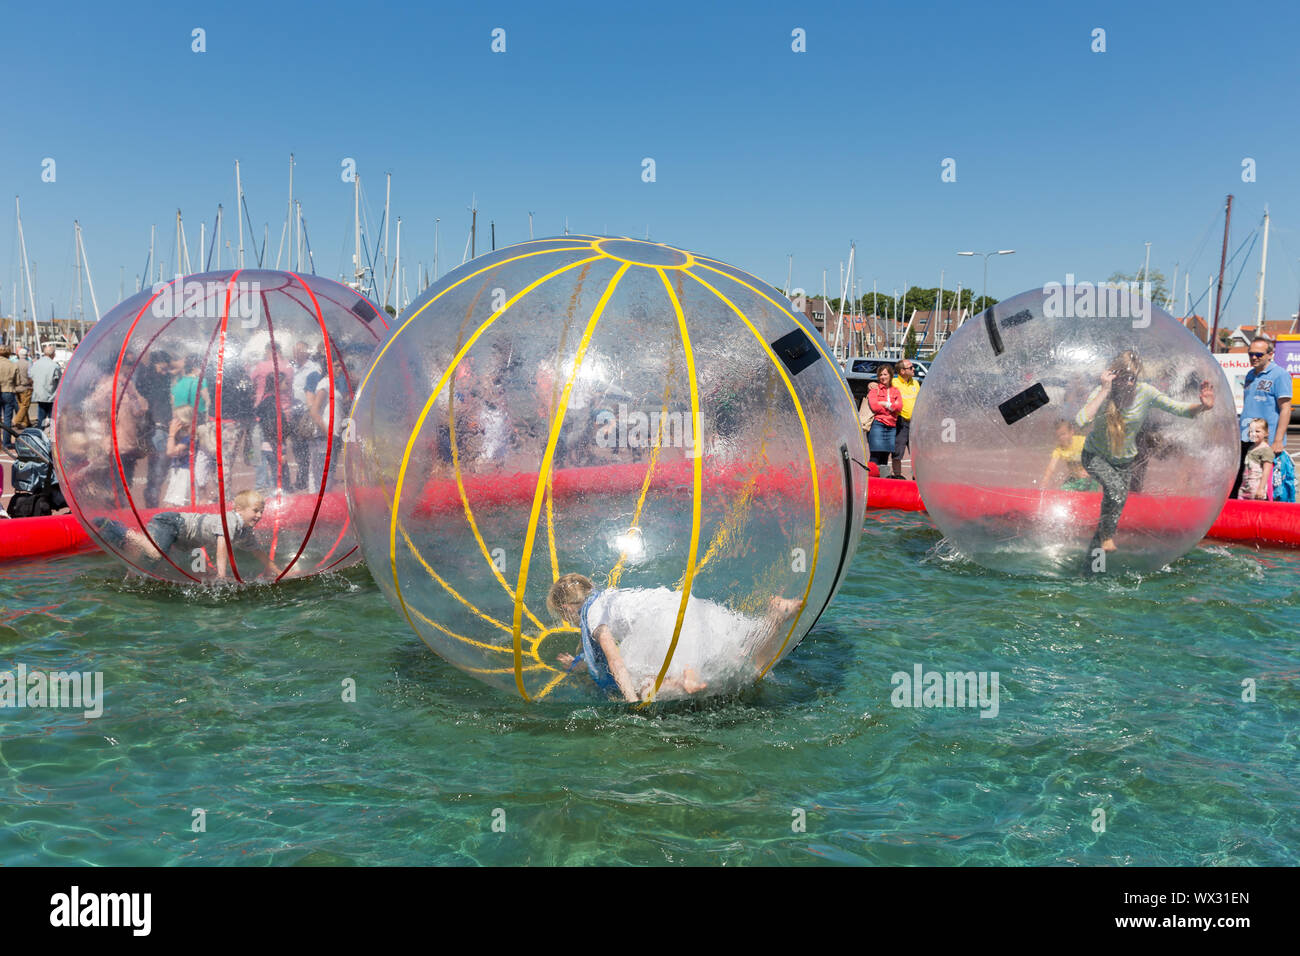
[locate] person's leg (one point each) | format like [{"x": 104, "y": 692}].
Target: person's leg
[
  {"x": 1114, "y": 480},
  {"x": 1241, "y": 467},
  {"x": 24, "y": 402},
  {"x": 878, "y": 444},
  {"x": 44, "y": 411},
  {"x": 156, "y": 476},
  {"x": 901, "y": 436},
  {"x": 8, "y": 405},
  {"x": 302, "y": 460},
  {"x": 129, "y": 461}
]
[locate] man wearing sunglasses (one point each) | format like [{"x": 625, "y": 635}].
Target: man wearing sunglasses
[
  {"x": 1267, "y": 395},
  {"x": 908, "y": 387}
]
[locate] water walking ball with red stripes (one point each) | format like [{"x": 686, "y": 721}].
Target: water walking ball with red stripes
[
  {"x": 592, "y": 468},
  {"x": 1075, "y": 429},
  {"x": 199, "y": 426}
]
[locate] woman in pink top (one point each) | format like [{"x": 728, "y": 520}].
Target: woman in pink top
[{"x": 884, "y": 402}]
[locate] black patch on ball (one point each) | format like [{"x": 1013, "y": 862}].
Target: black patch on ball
[
  {"x": 1018, "y": 406},
  {"x": 796, "y": 350}
]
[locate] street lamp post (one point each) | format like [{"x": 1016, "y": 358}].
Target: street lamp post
[{"x": 999, "y": 252}]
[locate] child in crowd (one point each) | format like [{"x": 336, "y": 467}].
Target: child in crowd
[
  {"x": 626, "y": 633},
  {"x": 1257, "y": 478},
  {"x": 1067, "y": 461},
  {"x": 178, "y": 459},
  {"x": 189, "y": 531}
]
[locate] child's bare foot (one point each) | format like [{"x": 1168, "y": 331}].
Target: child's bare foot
[
  {"x": 691, "y": 682},
  {"x": 1108, "y": 545},
  {"x": 566, "y": 660}
]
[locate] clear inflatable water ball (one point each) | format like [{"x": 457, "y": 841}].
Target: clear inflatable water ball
[
  {"x": 198, "y": 426},
  {"x": 591, "y": 468},
  {"x": 1074, "y": 430}
]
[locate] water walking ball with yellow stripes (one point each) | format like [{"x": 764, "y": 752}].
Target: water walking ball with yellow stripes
[
  {"x": 1076, "y": 429},
  {"x": 200, "y": 423},
  {"x": 595, "y": 468}
]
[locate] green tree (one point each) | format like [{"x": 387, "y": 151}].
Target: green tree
[
  {"x": 909, "y": 344},
  {"x": 1157, "y": 279}
]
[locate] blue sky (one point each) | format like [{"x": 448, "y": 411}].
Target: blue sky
[{"x": 1073, "y": 158}]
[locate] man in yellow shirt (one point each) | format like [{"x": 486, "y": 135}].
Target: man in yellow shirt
[{"x": 908, "y": 387}]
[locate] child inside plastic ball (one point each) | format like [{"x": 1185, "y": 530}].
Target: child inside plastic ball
[
  {"x": 1116, "y": 410},
  {"x": 626, "y": 633},
  {"x": 190, "y": 531},
  {"x": 1066, "y": 460}
]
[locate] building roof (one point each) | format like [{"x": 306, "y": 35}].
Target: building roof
[{"x": 1242, "y": 334}]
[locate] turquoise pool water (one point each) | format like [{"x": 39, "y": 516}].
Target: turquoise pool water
[{"x": 1123, "y": 696}]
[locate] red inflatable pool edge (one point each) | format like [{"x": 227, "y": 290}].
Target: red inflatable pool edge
[
  {"x": 1268, "y": 523},
  {"x": 1272, "y": 523},
  {"x": 63, "y": 534},
  {"x": 42, "y": 537}
]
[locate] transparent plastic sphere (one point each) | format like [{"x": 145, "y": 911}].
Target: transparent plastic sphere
[
  {"x": 659, "y": 423},
  {"x": 198, "y": 426},
  {"x": 1064, "y": 432}
]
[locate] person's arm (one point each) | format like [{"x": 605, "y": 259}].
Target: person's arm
[
  {"x": 223, "y": 558},
  {"x": 173, "y": 446},
  {"x": 605, "y": 638},
  {"x": 1099, "y": 394},
  {"x": 873, "y": 398},
  {"x": 1283, "y": 421},
  {"x": 1265, "y": 491},
  {"x": 1185, "y": 409}
]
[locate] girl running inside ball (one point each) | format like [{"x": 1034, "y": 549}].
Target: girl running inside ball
[
  {"x": 626, "y": 633},
  {"x": 1116, "y": 410}
]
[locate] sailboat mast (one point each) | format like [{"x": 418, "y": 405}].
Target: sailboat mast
[
  {"x": 388, "y": 194},
  {"x": 239, "y": 216},
  {"x": 358, "y": 272},
  {"x": 27, "y": 272},
  {"x": 1263, "y": 268},
  {"x": 292, "y": 266},
  {"x": 1223, "y": 262},
  {"x": 397, "y": 265},
  {"x": 81, "y": 308},
  {"x": 90, "y": 281},
  {"x": 938, "y": 304}
]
